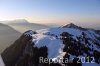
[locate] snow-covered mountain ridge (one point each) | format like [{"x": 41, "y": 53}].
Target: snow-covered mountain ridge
[
  {"x": 53, "y": 40},
  {"x": 63, "y": 42}
]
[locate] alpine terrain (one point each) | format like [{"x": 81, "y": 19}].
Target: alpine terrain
[{"x": 69, "y": 45}]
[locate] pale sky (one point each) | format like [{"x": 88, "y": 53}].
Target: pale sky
[{"x": 52, "y": 11}]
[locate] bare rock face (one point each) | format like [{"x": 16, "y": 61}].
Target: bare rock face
[{"x": 13, "y": 52}]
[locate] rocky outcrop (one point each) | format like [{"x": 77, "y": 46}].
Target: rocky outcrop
[{"x": 13, "y": 52}]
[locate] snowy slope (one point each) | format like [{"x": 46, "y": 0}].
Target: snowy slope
[
  {"x": 75, "y": 32},
  {"x": 47, "y": 37},
  {"x": 51, "y": 38},
  {"x": 54, "y": 45}
]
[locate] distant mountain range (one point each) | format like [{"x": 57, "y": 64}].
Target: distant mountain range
[
  {"x": 23, "y": 25},
  {"x": 79, "y": 45}
]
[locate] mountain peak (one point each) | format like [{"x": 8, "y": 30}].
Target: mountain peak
[{"x": 70, "y": 25}]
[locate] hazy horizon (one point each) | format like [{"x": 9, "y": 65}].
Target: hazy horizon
[{"x": 55, "y": 12}]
